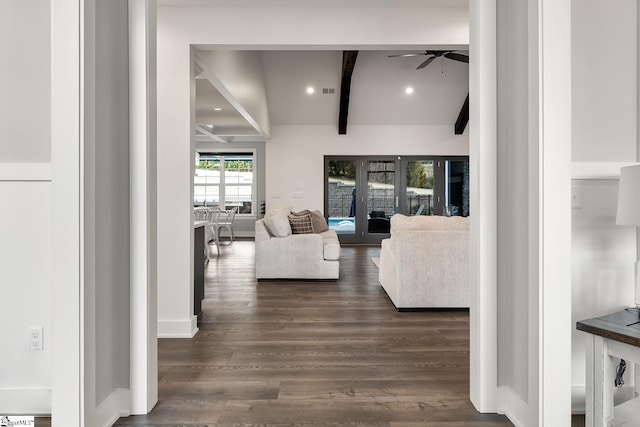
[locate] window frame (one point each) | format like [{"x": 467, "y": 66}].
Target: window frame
[{"x": 222, "y": 202}]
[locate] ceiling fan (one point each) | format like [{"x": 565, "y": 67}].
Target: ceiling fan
[{"x": 433, "y": 54}]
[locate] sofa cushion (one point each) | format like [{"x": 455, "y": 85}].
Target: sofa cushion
[
  {"x": 300, "y": 224},
  {"x": 401, "y": 222},
  {"x": 277, "y": 222},
  {"x": 330, "y": 245}
]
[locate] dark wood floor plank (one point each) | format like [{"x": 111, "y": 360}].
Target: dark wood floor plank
[
  {"x": 313, "y": 354},
  {"x": 391, "y": 390}
]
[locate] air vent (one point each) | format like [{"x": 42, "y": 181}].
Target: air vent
[{"x": 328, "y": 90}]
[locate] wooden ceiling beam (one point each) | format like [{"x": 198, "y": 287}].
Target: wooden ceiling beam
[
  {"x": 348, "y": 63},
  {"x": 463, "y": 117}
]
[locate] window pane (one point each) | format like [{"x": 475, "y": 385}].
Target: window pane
[
  {"x": 342, "y": 192},
  {"x": 239, "y": 196},
  {"x": 238, "y": 170},
  {"x": 419, "y": 192},
  {"x": 458, "y": 186},
  {"x": 381, "y": 178}
]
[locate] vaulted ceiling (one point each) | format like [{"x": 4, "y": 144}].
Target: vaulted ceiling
[{"x": 378, "y": 92}]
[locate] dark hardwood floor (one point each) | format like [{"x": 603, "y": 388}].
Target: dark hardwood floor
[{"x": 313, "y": 353}]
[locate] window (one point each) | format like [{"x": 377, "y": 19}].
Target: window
[{"x": 225, "y": 180}]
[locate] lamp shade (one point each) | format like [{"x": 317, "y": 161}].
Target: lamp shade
[{"x": 629, "y": 196}]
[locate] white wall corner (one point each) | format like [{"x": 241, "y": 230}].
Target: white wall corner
[
  {"x": 178, "y": 328},
  {"x": 25, "y": 401},
  {"x": 117, "y": 405},
  {"x": 513, "y": 407}
]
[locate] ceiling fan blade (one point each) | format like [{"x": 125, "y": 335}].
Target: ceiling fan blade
[
  {"x": 406, "y": 55},
  {"x": 457, "y": 57},
  {"x": 425, "y": 63}
]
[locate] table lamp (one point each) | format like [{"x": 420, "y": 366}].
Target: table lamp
[{"x": 629, "y": 210}]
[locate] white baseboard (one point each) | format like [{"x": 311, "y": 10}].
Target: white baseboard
[
  {"x": 25, "y": 401},
  {"x": 117, "y": 405},
  {"x": 178, "y": 328},
  {"x": 511, "y": 405}
]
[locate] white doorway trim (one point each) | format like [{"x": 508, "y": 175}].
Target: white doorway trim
[
  {"x": 483, "y": 253},
  {"x": 67, "y": 298}
]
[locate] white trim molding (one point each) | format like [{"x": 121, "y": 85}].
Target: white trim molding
[
  {"x": 598, "y": 170},
  {"x": 512, "y": 406},
  {"x": 113, "y": 407},
  {"x": 25, "y": 401},
  {"x": 483, "y": 255},
  {"x": 143, "y": 200},
  {"x": 25, "y": 171},
  {"x": 178, "y": 328}
]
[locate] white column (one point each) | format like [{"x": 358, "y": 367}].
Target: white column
[
  {"x": 142, "y": 151},
  {"x": 175, "y": 184},
  {"x": 483, "y": 238},
  {"x": 67, "y": 400},
  {"x": 550, "y": 227}
]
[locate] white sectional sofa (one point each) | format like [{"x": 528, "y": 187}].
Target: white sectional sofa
[
  {"x": 281, "y": 254},
  {"x": 425, "y": 262}
]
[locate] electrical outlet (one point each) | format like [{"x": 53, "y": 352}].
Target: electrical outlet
[{"x": 35, "y": 338}]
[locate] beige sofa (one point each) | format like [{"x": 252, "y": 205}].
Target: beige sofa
[
  {"x": 280, "y": 254},
  {"x": 425, "y": 262}
]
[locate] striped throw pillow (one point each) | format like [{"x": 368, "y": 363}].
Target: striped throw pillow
[{"x": 301, "y": 224}]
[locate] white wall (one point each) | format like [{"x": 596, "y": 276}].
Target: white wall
[
  {"x": 25, "y": 286},
  {"x": 603, "y": 257},
  {"x": 271, "y": 28},
  {"x": 25, "y": 191},
  {"x": 25, "y": 81},
  {"x": 302, "y": 150},
  {"x": 106, "y": 211},
  {"x": 513, "y": 209},
  {"x": 604, "y": 80},
  {"x": 604, "y": 126}
]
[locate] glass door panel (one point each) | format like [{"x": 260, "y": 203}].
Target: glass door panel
[
  {"x": 419, "y": 188},
  {"x": 341, "y": 196},
  {"x": 457, "y": 187},
  {"x": 381, "y": 195}
]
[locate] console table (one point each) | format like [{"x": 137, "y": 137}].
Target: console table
[{"x": 613, "y": 335}]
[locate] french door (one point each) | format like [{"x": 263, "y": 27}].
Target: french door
[{"x": 363, "y": 192}]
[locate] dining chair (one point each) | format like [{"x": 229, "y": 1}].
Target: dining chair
[{"x": 225, "y": 221}]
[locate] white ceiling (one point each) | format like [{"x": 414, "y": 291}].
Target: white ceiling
[{"x": 377, "y": 91}]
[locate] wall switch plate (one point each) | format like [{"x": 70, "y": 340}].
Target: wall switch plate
[{"x": 35, "y": 338}]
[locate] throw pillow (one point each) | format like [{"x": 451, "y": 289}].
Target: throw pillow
[
  {"x": 318, "y": 221},
  {"x": 277, "y": 222},
  {"x": 301, "y": 224}
]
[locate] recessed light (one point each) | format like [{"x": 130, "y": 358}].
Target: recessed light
[
  {"x": 408, "y": 90},
  {"x": 217, "y": 109},
  {"x": 310, "y": 90}
]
